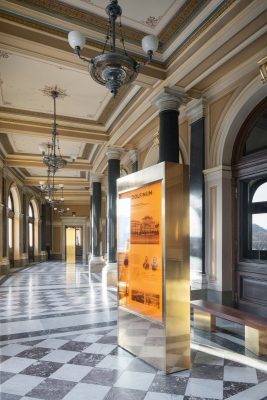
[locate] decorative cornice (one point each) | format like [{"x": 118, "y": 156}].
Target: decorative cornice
[
  {"x": 196, "y": 109},
  {"x": 170, "y": 99},
  {"x": 66, "y": 11},
  {"x": 202, "y": 28}
]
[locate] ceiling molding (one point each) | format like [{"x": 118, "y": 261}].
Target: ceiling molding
[{"x": 30, "y": 161}]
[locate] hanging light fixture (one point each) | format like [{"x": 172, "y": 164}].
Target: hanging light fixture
[
  {"x": 111, "y": 68},
  {"x": 50, "y": 190},
  {"x": 51, "y": 152},
  {"x": 48, "y": 187}
]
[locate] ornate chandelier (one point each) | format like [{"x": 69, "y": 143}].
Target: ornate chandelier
[
  {"x": 49, "y": 189},
  {"x": 51, "y": 152},
  {"x": 112, "y": 68}
]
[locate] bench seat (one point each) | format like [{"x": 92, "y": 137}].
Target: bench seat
[{"x": 205, "y": 314}]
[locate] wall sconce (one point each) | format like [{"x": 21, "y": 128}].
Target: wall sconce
[
  {"x": 73, "y": 213},
  {"x": 263, "y": 69}
]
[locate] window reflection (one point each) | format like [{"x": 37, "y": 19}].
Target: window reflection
[{"x": 260, "y": 194}]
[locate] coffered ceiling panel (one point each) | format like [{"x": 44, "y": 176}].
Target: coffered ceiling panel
[
  {"x": 146, "y": 15},
  {"x": 29, "y": 145},
  {"x": 23, "y": 78}
]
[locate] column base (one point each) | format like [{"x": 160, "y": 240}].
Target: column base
[
  {"x": 4, "y": 266},
  {"x": 21, "y": 262},
  {"x": 43, "y": 256},
  {"x": 110, "y": 274},
  {"x": 198, "y": 281},
  {"x": 96, "y": 264}
]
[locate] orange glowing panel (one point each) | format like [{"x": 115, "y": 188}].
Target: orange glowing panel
[{"x": 140, "y": 250}]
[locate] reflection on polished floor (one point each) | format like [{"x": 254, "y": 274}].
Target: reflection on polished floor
[{"x": 58, "y": 341}]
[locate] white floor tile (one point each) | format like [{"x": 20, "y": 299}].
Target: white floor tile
[
  {"x": 52, "y": 343},
  {"x": 114, "y": 362},
  {"x": 87, "y": 338},
  {"x": 12, "y": 349},
  {"x": 20, "y": 384},
  {"x": 71, "y": 372},
  {"x": 83, "y": 391},
  {"x": 205, "y": 388},
  {"x": 100, "y": 348},
  {"x": 135, "y": 380},
  {"x": 240, "y": 374},
  {"x": 162, "y": 396},
  {"x": 16, "y": 364},
  {"x": 61, "y": 356}
]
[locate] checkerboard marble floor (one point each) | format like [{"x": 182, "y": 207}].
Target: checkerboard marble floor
[{"x": 58, "y": 340}]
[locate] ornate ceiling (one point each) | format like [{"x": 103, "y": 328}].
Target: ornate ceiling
[{"x": 201, "y": 42}]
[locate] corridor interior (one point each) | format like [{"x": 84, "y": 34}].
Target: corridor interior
[{"x": 59, "y": 341}]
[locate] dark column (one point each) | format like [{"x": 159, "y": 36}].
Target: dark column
[
  {"x": 24, "y": 223},
  {"x": 113, "y": 174},
  {"x": 43, "y": 228},
  {"x": 91, "y": 219},
  {"x": 168, "y": 103},
  {"x": 195, "y": 112},
  {"x": 168, "y": 136},
  {"x": 96, "y": 221}
]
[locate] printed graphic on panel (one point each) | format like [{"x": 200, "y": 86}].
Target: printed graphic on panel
[{"x": 140, "y": 250}]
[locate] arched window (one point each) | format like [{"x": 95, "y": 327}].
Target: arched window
[
  {"x": 10, "y": 204},
  {"x": 258, "y": 209},
  {"x": 250, "y": 155}
]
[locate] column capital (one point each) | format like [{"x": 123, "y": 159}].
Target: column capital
[
  {"x": 170, "y": 99},
  {"x": 114, "y": 153},
  {"x": 95, "y": 177},
  {"x": 133, "y": 155},
  {"x": 196, "y": 110}
]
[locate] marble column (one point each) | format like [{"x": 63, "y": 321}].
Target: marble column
[
  {"x": 96, "y": 262},
  {"x": 168, "y": 102},
  {"x": 218, "y": 241},
  {"x": 133, "y": 155},
  {"x": 113, "y": 155},
  {"x": 195, "y": 111}
]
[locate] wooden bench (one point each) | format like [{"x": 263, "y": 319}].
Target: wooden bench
[{"x": 205, "y": 314}]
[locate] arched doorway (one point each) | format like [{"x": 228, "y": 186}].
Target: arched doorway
[
  {"x": 30, "y": 232},
  {"x": 14, "y": 228},
  {"x": 11, "y": 213},
  {"x": 249, "y": 165}
]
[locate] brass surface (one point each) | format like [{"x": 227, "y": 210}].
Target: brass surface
[
  {"x": 256, "y": 341},
  {"x": 166, "y": 344},
  {"x": 70, "y": 245},
  {"x": 204, "y": 320}
]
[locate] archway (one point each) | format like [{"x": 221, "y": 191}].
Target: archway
[
  {"x": 220, "y": 244},
  {"x": 14, "y": 225},
  {"x": 249, "y": 163},
  {"x": 33, "y": 231},
  {"x": 222, "y": 145}
]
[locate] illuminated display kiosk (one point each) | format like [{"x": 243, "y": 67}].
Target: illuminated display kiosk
[{"x": 153, "y": 266}]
